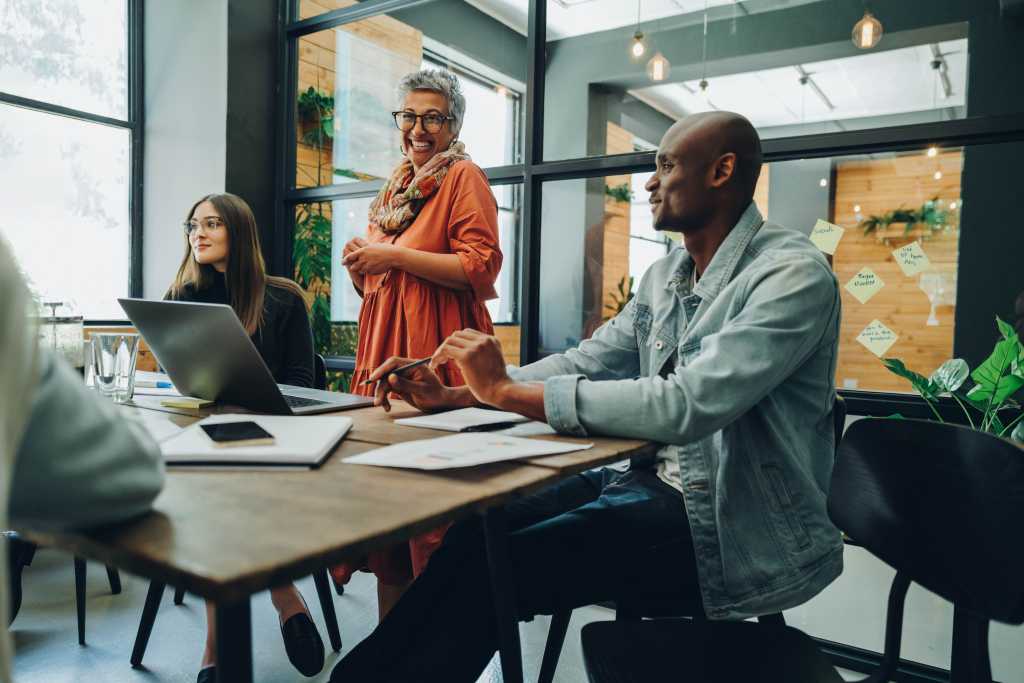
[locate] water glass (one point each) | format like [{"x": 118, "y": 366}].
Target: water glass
[{"x": 113, "y": 364}]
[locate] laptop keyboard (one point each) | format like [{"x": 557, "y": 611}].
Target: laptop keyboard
[{"x": 301, "y": 402}]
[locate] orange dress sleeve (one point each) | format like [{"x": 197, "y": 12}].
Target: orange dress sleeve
[{"x": 473, "y": 230}]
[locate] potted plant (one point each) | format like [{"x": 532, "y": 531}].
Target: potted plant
[
  {"x": 988, "y": 406},
  {"x": 924, "y": 222}
]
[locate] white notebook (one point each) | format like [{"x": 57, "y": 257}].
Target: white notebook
[
  {"x": 462, "y": 450},
  {"x": 298, "y": 442},
  {"x": 465, "y": 420}
]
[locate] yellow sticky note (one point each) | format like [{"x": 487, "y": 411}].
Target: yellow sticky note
[
  {"x": 864, "y": 285},
  {"x": 877, "y": 338},
  {"x": 186, "y": 402},
  {"x": 826, "y": 236},
  {"x": 912, "y": 258}
]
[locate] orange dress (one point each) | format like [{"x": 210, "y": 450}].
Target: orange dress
[{"x": 405, "y": 315}]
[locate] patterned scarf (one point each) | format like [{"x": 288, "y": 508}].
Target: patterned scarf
[{"x": 406, "y": 191}]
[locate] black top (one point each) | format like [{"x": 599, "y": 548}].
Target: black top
[{"x": 284, "y": 340}]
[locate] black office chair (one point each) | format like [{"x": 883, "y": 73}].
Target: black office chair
[
  {"x": 321, "y": 578},
  {"x": 931, "y": 500},
  {"x": 21, "y": 554},
  {"x": 631, "y": 610}
]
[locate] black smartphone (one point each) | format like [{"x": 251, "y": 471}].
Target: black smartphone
[{"x": 227, "y": 434}]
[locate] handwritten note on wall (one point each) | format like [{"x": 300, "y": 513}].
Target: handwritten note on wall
[
  {"x": 877, "y": 338},
  {"x": 826, "y": 236},
  {"x": 864, "y": 285},
  {"x": 912, "y": 259}
]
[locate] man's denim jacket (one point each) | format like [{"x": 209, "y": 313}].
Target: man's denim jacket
[{"x": 746, "y": 409}]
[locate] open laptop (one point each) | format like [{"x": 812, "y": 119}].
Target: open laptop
[{"x": 207, "y": 354}]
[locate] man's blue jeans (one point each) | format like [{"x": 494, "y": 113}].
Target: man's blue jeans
[{"x": 601, "y": 535}]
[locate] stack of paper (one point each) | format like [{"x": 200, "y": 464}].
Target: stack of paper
[
  {"x": 462, "y": 450},
  {"x": 298, "y": 441}
]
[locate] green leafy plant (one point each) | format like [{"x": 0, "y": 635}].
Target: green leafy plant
[
  {"x": 315, "y": 110},
  {"x": 989, "y": 405},
  {"x": 620, "y": 193},
  {"x": 930, "y": 216},
  {"x": 620, "y": 297},
  {"x": 311, "y": 256}
]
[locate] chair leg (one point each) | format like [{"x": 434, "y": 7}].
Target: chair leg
[
  {"x": 149, "y": 610},
  {"x": 115, "y": 581},
  {"x": 179, "y": 596},
  {"x": 80, "y": 597},
  {"x": 553, "y": 647},
  {"x": 323, "y": 589},
  {"x": 970, "y": 658}
]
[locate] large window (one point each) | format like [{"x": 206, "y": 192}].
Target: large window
[{"x": 68, "y": 128}]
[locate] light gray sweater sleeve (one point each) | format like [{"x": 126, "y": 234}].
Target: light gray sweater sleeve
[{"x": 80, "y": 461}]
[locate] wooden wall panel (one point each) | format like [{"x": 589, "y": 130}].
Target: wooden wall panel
[
  {"x": 878, "y": 186},
  {"x": 508, "y": 335},
  {"x": 615, "y": 262},
  {"x": 145, "y": 360}
]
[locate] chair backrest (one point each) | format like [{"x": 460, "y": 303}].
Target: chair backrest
[
  {"x": 940, "y": 502},
  {"x": 319, "y": 372},
  {"x": 839, "y": 418}
]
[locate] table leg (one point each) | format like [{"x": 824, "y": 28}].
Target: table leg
[
  {"x": 234, "y": 642},
  {"x": 502, "y": 588}
]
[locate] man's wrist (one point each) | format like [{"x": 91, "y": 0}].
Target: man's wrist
[{"x": 460, "y": 397}]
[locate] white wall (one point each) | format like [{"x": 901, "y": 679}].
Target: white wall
[{"x": 186, "y": 111}]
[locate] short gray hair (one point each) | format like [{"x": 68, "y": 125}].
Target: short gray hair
[{"x": 442, "y": 82}]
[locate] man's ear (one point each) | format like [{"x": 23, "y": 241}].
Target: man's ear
[{"x": 723, "y": 169}]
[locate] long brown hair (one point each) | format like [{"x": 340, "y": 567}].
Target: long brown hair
[{"x": 246, "y": 276}]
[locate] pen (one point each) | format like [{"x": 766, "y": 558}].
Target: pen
[
  {"x": 150, "y": 384},
  {"x": 399, "y": 370}
]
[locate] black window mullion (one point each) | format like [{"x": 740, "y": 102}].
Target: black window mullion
[{"x": 136, "y": 118}]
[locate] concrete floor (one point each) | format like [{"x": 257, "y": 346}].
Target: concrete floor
[{"x": 45, "y": 632}]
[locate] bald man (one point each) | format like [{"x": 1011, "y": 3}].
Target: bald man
[{"x": 726, "y": 356}]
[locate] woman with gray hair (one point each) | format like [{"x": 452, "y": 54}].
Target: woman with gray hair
[{"x": 427, "y": 265}]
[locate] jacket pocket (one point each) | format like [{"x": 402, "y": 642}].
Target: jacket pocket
[
  {"x": 782, "y": 503},
  {"x": 642, "y": 319}
]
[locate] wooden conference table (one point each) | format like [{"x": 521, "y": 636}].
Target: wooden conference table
[{"x": 225, "y": 535}]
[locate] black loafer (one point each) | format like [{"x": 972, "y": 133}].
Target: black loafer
[
  {"x": 207, "y": 675},
  {"x": 303, "y": 644},
  {"x": 19, "y": 556}
]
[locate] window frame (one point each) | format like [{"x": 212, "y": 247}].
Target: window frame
[
  {"x": 535, "y": 170},
  {"x": 134, "y": 124}
]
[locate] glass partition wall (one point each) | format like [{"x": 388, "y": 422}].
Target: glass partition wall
[{"x": 903, "y": 139}]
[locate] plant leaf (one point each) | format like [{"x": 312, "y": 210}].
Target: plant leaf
[
  {"x": 950, "y": 376},
  {"x": 921, "y": 384},
  {"x": 994, "y": 376},
  {"x": 1006, "y": 329}
]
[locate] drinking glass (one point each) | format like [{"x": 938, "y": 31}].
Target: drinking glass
[{"x": 113, "y": 364}]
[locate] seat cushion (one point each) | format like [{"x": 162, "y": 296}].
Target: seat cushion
[{"x": 666, "y": 650}]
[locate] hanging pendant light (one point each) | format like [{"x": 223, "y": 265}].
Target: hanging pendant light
[
  {"x": 658, "y": 67},
  {"x": 638, "y": 46},
  {"x": 867, "y": 32}
]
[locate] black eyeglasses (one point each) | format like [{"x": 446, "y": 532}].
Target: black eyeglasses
[
  {"x": 432, "y": 123},
  {"x": 210, "y": 224}
]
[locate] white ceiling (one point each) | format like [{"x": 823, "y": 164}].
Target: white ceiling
[
  {"x": 568, "y": 18},
  {"x": 872, "y": 84}
]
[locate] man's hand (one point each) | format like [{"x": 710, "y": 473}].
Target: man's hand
[
  {"x": 420, "y": 386},
  {"x": 478, "y": 357},
  {"x": 372, "y": 259}
]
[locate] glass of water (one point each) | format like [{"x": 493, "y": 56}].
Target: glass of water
[{"x": 113, "y": 364}]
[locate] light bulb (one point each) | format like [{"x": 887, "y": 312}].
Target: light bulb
[
  {"x": 501, "y": 90},
  {"x": 638, "y": 48},
  {"x": 867, "y": 32},
  {"x": 658, "y": 67},
  {"x": 937, "y": 175},
  {"x": 856, "y": 208},
  {"x": 823, "y": 183},
  {"x": 932, "y": 151},
  {"x": 952, "y": 206}
]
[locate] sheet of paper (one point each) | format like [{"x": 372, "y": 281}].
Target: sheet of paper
[
  {"x": 462, "y": 450},
  {"x": 158, "y": 425},
  {"x": 531, "y": 428},
  {"x": 865, "y": 285},
  {"x": 912, "y": 259},
  {"x": 826, "y": 236},
  {"x": 154, "y": 384},
  {"x": 877, "y": 338},
  {"x": 461, "y": 420}
]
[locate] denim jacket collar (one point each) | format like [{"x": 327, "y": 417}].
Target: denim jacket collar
[{"x": 725, "y": 260}]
